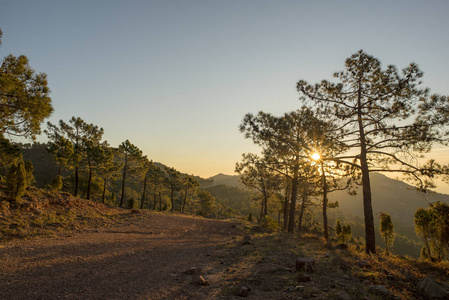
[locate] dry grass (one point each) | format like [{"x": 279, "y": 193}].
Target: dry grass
[{"x": 45, "y": 212}]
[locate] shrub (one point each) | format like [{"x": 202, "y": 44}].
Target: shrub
[
  {"x": 16, "y": 182},
  {"x": 268, "y": 223},
  {"x": 56, "y": 183}
]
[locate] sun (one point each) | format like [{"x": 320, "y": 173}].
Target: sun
[{"x": 316, "y": 156}]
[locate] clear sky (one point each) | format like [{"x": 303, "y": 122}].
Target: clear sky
[{"x": 177, "y": 77}]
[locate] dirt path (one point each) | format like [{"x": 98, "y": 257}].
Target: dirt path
[{"x": 144, "y": 257}]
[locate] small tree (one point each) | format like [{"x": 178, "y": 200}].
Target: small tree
[
  {"x": 432, "y": 225},
  {"x": 338, "y": 228},
  {"x": 16, "y": 182},
  {"x": 386, "y": 230},
  {"x": 346, "y": 233},
  {"x": 207, "y": 202},
  {"x": 56, "y": 183}
]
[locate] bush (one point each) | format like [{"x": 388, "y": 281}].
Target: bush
[
  {"x": 268, "y": 223},
  {"x": 56, "y": 183},
  {"x": 16, "y": 182},
  {"x": 132, "y": 203}
]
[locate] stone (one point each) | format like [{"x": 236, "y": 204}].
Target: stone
[
  {"x": 346, "y": 276},
  {"x": 193, "y": 271},
  {"x": 341, "y": 246},
  {"x": 342, "y": 295},
  {"x": 364, "y": 264},
  {"x": 244, "y": 291},
  {"x": 306, "y": 264},
  {"x": 381, "y": 291},
  {"x": 431, "y": 289},
  {"x": 303, "y": 277},
  {"x": 201, "y": 281},
  {"x": 247, "y": 240}
]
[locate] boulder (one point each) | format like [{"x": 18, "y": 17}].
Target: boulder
[
  {"x": 303, "y": 277},
  {"x": 341, "y": 246},
  {"x": 342, "y": 295},
  {"x": 305, "y": 264},
  {"x": 193, "y": 271},
  {"x": 431, "y": 289},
  {"x": 244, "y": 291},
  {"x": 201, "y": 281},
  {"x": 364, "y": 264},
  {"x": 381, "y": 291}
]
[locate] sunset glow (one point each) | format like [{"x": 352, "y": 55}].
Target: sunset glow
[{"x": 316, "y": 156}]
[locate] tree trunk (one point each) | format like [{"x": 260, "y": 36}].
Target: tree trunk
[
  {"x": 76, "y": 182},
  {"x": 123, "y": 180},
  {"x": 171, "y": 199},
  {"x": 89, "y": 182},
  {"x": 104, "y": 189},
  {"x": 303, "y": 207},
  {"x": 160, "y": 201},
  {"x": 155, "y": 201},
  {"x": 143, "y": 193},
  {"x": 370, "y": 236},
  {"x": 261, "y": 211},
  {"x": 325, "y": 201},
  {"x": 291, "y": 221},
  {"x": 386, "y": 246},
  {"x": 286, "y": 202},
  {"x": 185, "y": 200}
]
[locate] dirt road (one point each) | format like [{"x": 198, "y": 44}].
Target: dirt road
[{"x": 145, "y": 256}]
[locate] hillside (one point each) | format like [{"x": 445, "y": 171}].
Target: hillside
[
  {"x": 395, "y": 197},
  {"x": 231, "y": 180},
  {"x": 87, "y": 250}
]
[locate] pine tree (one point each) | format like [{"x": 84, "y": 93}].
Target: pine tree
[
  {"x": 386, "y": 230},
  {"x": 16, "y": 182},
  {"x": 369, "y": 103}
]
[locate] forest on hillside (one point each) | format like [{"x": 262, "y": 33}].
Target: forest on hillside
[{"x": 343, "y": 132}]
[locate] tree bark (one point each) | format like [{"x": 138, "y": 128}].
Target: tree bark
[
  {"x": 303, "y": 207},
  {"x": 76, "y": 182},
  {"x": 155, "y": 201},
  {"x": 370, "y": 236},
  {"x": 325, "y": 201},
  {"x": 123, "y": 180},
  {"x": 291, "y": 221},
  {"x": 143, "y": 193},
  {"x": 286, "y": 202},
  {"x": 89, "y": 182},
  {"x": 104, "y": 189},
  {"x": 171, "y": 199}
]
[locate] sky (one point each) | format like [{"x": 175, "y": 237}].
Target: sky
[{"x": 177, "y": 77}]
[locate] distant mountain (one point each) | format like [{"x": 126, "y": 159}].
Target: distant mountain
[
  {"x": 395, "y": 197},
  {"x": 231, "y": 180}
]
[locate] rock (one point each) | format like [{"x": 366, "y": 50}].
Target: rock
[
  {"x": 342, "y": 295},
  {"x": 381, "y": 291},
  {"x": 303, "y": 277},
  {"x": 343, "y": 265},
  {"x": 193, "y": 271},
  {"x": 35, "y": 210},
  {"x": 431, "y": 289},
  {"x": 135, "y": 211},
  {"x": 247, "y": 240},
  {"x": 364, "y": 264},
  {"x": 306, "y": 264},
  {"x": 341, "y": 246},
  {"x": 244, "y": 291},
  {"x": 346, "y": 276},
  {"x": 201, "y": 281}
]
